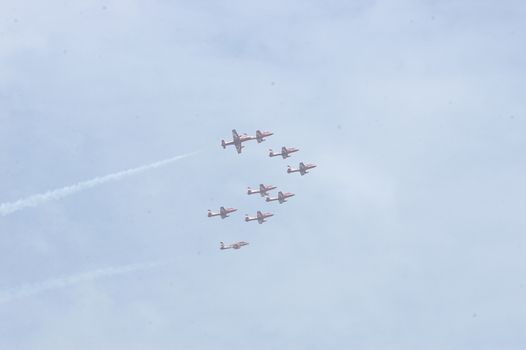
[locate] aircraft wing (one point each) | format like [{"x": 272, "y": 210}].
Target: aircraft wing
[{"x": 238, "y": 147}]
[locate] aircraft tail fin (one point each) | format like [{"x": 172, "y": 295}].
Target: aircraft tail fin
[
  {"x": 209, "y": 213},
  {"x": 267, "y": 199},
  {"x": 223, "y": 144},
  {"x": 270, "y": 152},
  {"x": 222, "y": 245},
  {"x": 289, "y": 169}
]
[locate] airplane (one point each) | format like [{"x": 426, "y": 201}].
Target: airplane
[
  {"x": 236, "y": 245},
  {"x": 223, "y": 212},
  {"x": 282, "y": 197},
  {"x": 263, "y": 189},
  {"x": 260, "y": 217},
  {"x": 260, "y": 135},
  {"x": 302, "y": 169},
  {"x": 285, "y": 152},
  {"x": 237, "y": 140}
]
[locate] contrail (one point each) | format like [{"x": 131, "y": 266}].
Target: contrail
[
  {"x": 11, "y": 294},
  {"x": 37, "y": 199}
]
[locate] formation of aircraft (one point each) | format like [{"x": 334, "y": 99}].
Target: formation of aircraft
[
  {"x": 263, "y": 189},
  {"x": 237, "y": 139},
  {"x": 261, "y": 217},
  {"x": 223, "y": 212},
  {"x": 281, "y": 198},
  {"x": 236, "y": 245},
  {"x": 302, "y": 168},
  {"x": 285, "y": 152}
]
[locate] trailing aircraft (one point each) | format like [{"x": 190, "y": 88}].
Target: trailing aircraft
[
  {"x": 260, "y": 217},
  {"x": 263, "y": 189},
  {"x": 302, "y": 169},
  {"x": 236, "y": 245},
  {"x": 223, "y": 212},
  {"x": 282, "y": 197},
  {"x": 285, "y": 152},
  {"x": 237, "y": 140},
  {"x": 260, "y": 135}
]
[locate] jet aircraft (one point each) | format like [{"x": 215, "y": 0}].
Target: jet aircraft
[
  {"x": 282, "y": 197},
  {"x": 285, "y": 152},
  {"x": 302, "y": 169},
  {"x": 260, "y": 217},
  {"x": 237, "y": 140},
  {"x": 236, "y": 245},
  {"x": 260, "y": 135},
  {"x": 223, "y": 212},
  {"x": 263, "y": 189}
]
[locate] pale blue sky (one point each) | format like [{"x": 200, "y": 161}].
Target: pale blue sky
[{"x": 410, "y": 234}]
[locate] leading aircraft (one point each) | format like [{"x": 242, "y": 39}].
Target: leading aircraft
[
  {"x": 237, "y": 140},
  {"x": 223, "y": 212},
  {"x": 285, "y": 152},
  {"x": 260, "y": 217},
  {"x": 282, "y": 197},
  {"x": 263, "y": 189},
  {"x": 236, "y": 245},
  {"x": 260, "y": 135},
  {"x": 302, "y": 169}
]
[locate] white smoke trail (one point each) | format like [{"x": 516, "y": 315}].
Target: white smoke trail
[
  {"x": 11, "y": 294},
  {"x": 37, "y": 199}
]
